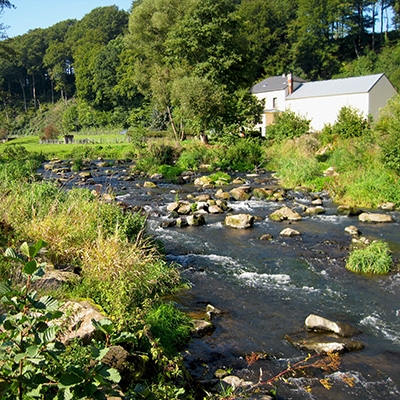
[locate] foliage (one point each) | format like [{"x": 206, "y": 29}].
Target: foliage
[
  {"x": 170, "y": 326},
  {"x": 120, "y": 276},
  {"x": 351, "y": 123},
  {"x": 388, "y": 129},
  {"x": 375, "y": 258},
  {"x": 30, "y": 353},
  {"x": 287, "y": 125},
  {"x": 193, "y": 155},
  {"x": 170, "y": 172},
  {"x": 245, "y": 155},
  {"x": 50, "y": 132}
]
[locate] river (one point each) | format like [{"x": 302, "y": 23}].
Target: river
[{"x": 266, "y": 289}]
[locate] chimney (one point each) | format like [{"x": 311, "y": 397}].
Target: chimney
[{"x": 290, "y": 83}]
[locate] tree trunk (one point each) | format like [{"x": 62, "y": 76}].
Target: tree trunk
[
  {"x": 204, "y": 138},
  {"x": 21, "y": 82}
]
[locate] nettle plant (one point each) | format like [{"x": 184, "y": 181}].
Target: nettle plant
[{"x": 31, "y": 362}]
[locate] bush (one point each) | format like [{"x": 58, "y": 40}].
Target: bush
[
  {"x": 388, "y": 130},
  {"x": 50, "y": 132},
  {"x": 170, "y": 326},
  {"x": 374, "y": 259},
  {"x": 287, "y": 125},
  {"x": 245, "y": 155},
  {"x": 193, "y": 156},
  {"x": 170, "y": 172},
  {"x": 351, "y": 123}
]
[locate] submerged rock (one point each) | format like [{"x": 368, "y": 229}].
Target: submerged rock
[{"x": 323, "y": 343}]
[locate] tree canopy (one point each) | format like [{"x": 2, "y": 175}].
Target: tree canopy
[{"x": 188, "y": 64}]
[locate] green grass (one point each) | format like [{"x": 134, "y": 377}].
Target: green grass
[
  {"x": 108, "y": 145},
  {"x": 374, "y": 259}
]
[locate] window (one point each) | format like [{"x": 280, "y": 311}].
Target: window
[{"x": 275, "y": 102}]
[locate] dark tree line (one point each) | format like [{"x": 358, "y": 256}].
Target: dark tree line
[{"x": 189, "y": 64}]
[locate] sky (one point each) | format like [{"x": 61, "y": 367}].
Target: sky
[{"x": 31, "y": 14}]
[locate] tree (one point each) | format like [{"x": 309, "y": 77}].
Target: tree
[{"x": 4, "y": 50}]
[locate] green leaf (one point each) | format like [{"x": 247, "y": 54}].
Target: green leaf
[
  {"x": 25, "y": 249},
  {"x": 30, "y": 267},
  {"x": 31, "y": 351},
  {"x": 104, "y": 325},
  {"x": 19, "y": 357},
  {"x": 32, "y": 251},
  {"x": 5, "y": 288},
  {"x": 70, "y": 380},
  {"x": 98, "y": 354},
  {"x": 49, "y": 335},
  {"x": 124, "y": 337},
  {"x": 10, "y": 253},
  {"x": 110, "y": 374},
  {"x": 47, "y": 303}
]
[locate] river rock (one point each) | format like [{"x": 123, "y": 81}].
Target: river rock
[
  {"x": 238, "y": 181},
  {"x": 202, "y": 328},
  {"x": 266, "y": 236},
  {"x": 157, "y": 177},
  {"x": 289, "y": 232},
  {"x": 181, "y": 222},
  {"x": 375, "y": 218},
  {"x": 320, "y": 324},
  {"x": 285, "y": 213},
  {"x": 262, "y": 193},
  {"x": 222, "y": 204},
  {"x": 326, "y": 343},
  {"x": 236, "y": 382},
  {"x": 203, "y": 181},
  {"x": 352, "y": 230},
  {"x": 202, "y": 205},
  {"x": 77, "y": 320},
  {"x": 239, "y": 221},
  {"x": 314, "y": 210},
  {"x": 184, "y": 208},
  {"x": 389, "y": 206},
  {"x": 222, "y": 195},
  {"x": 202, "y": 197},
  {"x": 54, "y": 279},
  {"x": 214, "y": 209},
  {"x": 241, "y": 193},
  {"x": 196, "y": 219},
  {"x": 317, "y": 202},
  {"x": 173, "y": 206},
  {"x": 149, "y": 184}
]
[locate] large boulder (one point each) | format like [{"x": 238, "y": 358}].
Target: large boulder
[
  {"x": 76, "y": 322},
  {"x": 375, "y": 218},
  {"x": 239, "y": 221},
  {"x": 289, "y": 232},
  {"x": 285, "y": 213},
  {"x": 203, "y": 181},
  {"x": 320, "y": 324}
]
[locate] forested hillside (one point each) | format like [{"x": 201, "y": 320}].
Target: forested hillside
[{"x": 186, "y": 65}]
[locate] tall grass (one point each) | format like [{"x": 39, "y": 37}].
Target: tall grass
[{"x": 374, "y": 259}]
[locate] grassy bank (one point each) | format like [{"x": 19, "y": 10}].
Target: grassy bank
[{"x": 119, "y": 269}]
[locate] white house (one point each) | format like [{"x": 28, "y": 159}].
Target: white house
[{"x": 321, "y": 101}]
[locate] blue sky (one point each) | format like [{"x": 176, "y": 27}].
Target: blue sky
[{"x": 31, "y": 14}]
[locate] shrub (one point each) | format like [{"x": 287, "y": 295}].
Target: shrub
[
  {"x": 170, "y": 172},
  {"x": 287, "y": 125},
  {"x": 170, "y": 326},
  {"x": 245, "y": 155},
  {"x": 388, "y": 130},
  {"x": 50, "y": 132},
  {"x": 374, "y": 259},
  {"x": 351, "y": 123},
  {"x": 193, "y": 156}
]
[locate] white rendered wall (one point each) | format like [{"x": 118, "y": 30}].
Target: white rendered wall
[{"x": 324, "y": 110}]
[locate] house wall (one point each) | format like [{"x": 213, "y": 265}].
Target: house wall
[
  {"x": 270, "y": 107},
  {"x": 379, "y": 95},
  {"x": 324, "y": 110}
]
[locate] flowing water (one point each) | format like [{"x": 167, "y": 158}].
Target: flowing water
[{"x": 266, "y": 289}]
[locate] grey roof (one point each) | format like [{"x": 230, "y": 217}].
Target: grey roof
[
  {"x": 361, "y": 84},
  {"x": 274, "y": 83}
]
